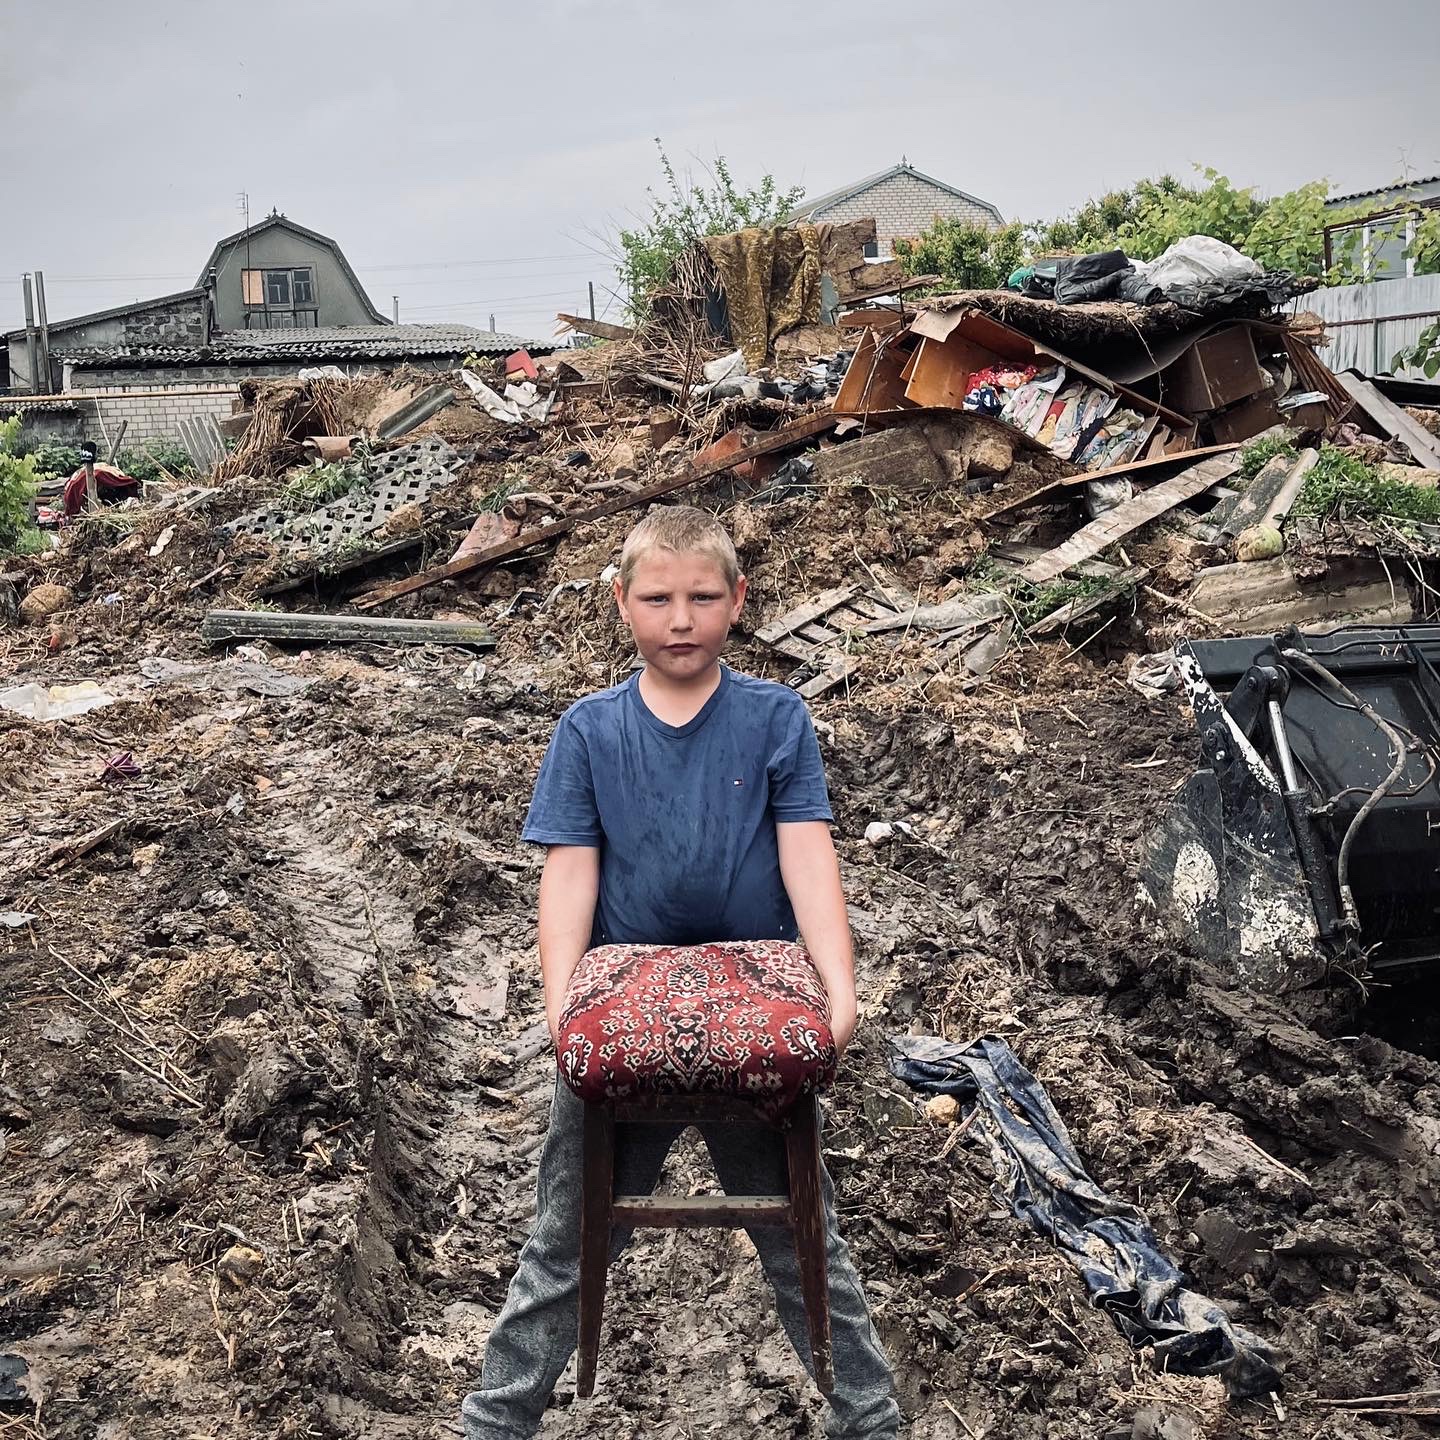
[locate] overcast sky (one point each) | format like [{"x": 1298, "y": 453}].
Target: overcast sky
[{"x": 472, "y": 157}]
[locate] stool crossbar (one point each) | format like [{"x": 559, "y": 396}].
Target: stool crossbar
[{"x": 602, "y": 1212}]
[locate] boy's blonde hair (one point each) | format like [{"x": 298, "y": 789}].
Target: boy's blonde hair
[{"x": 684, "y": 529}]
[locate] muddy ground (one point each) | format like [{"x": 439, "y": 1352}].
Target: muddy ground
[{"x": 273, "y": 1077}]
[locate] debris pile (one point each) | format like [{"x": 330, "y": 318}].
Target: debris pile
[{"x": 276, "y": 1073}]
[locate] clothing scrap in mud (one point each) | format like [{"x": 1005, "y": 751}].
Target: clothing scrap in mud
[{"x": 275, "y": 1069}]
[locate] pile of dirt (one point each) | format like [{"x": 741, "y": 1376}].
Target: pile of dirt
[{"x": 275, "y": 1074}]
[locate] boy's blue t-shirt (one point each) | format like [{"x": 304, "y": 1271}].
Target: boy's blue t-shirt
[{"x": 684, "y": 815}]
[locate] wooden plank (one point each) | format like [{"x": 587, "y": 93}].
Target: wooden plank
[
  {"x": 1268, "y": 497},
  {"x": 1133, "y": 467},
  {"x": 836, "y": 671},
  {"x": 962, "y": 612},
  {"x": 221, "y": 626},
  {"x": 1393, "y": 420},
  {"x": 1088, "y": 541},
  {"x": 792, "y": 435},
  {"x": 692, "y": 1212},
  {"x": 821, "y": 605},
  {"x": 915, "y": 282},
  {"x": 601, "y": 329},
  {"x": 1123, "y": 584}
]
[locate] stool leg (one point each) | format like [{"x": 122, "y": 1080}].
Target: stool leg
[
  {"x": 807, "y": 1206},
  {"x": 597, "y": 1196}
]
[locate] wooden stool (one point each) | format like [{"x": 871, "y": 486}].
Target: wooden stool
[{"x": 602, "y": 1211}]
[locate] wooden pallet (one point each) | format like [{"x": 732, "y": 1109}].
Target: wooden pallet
[{"x": 820, "y": 632}]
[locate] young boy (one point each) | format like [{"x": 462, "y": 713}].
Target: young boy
[{"x": 685, "y": 805}]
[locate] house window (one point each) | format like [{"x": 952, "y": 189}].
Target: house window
[
  {"x": 872, "y": 250},
  {"x": 280, "y": 299}
]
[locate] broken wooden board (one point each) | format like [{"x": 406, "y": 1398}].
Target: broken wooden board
[
  {"x": 1265, "y": 595},
  {"x": 1268, "y": 497},
  {"x": 1088, "y": 541},
  {"x": 1393, "y": 420},
  {"x": 956, "y": 617},
  {"x": 219, "y": 627},
  {"x": 786, "y": 438},
  {"x": 1122, "y": 584},
  {"x": 1137, "y": 469},
  {"x": 600, "y": 329},
  {"x": 818, "y": 633}
]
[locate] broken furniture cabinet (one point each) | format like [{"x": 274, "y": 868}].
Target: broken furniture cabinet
[
  {"x": 1219, "y": 369},
  {"x": 1305, "y": 838},
  {"x": 929, "y": 365}
]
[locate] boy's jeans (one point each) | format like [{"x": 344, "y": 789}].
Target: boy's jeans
[{"x": 536, "y": 1331}]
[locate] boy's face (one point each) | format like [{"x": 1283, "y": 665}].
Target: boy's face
[{"x": 680, "y": 610}]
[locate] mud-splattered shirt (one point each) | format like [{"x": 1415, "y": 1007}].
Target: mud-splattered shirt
[{"x": 684, "y": 816}]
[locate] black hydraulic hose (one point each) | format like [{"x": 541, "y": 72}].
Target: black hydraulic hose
[{"x": 1342, "y": 868}]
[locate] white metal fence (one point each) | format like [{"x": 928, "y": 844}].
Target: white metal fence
[{"x": 1368, "y": 324}]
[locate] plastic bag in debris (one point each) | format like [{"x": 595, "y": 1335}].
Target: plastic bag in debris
[
  {"x": 725, "y": 367},
  {"x": 1154, "y": 675},
  {"x": 1198, "y": 260},
  {"x": 322, "y": 372},
  {"x": 55, "y": 702},
  {"x": 521, "y": 404},
  {"x": 1103, "y": 495},
  {"x": 1089, "y": 277},
  {"x": 1041, "y": 1178}
]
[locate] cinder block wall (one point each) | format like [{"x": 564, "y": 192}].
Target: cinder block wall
[{"x": 152, "y": 414}]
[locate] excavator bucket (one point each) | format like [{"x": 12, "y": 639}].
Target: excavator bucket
[{"x": 1309, "y": 834}]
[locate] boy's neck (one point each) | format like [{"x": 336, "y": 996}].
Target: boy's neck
[{"x": 678, "y": 702}]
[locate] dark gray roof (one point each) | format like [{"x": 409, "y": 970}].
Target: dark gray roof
[
  {"x": 334, "y": 342},
  {"x": 279, "y": 221},
  {"x": 134, "y": 308},
  {"x": 808, "y": 207},
  {"x": 1398, "y": 190}
]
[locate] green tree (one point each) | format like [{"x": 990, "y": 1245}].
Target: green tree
[
  {"x": 684, "y": 212},
  {"x": 1285, "y": 232},
  {"x": 18, "y": 482},
  {"x": 968, "y": 256}
]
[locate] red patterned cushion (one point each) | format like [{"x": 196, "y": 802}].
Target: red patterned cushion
[{"x": 748, "y": 1018}]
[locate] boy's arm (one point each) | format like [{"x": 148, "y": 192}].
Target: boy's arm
[
  {"x": 569, "y": 888},
  {"x": 812, "y": 881}
]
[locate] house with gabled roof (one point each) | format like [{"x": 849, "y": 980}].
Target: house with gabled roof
[
  {"x": 904, "y": 202},
  {"x": 269, "y": 300}
]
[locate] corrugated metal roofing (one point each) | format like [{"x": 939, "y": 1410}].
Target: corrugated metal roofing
[
  {"x": 335, "y": 342},
  {"x": 1398, "y": 189}
]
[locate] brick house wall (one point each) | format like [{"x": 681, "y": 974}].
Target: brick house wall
[
  {"x": 152, "y": 414},
  {"x": 903, "y": 205}
]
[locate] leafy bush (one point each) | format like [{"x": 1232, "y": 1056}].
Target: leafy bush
[
  {"x": 1255, "y": 456},
  {"x": 969, "y": 256},
  {"x": 687, "y": 213},
  {"x": 156, "y": 459},
  {"x": 1347, "y": 488},
  {"x": 320, "y": 484},
  {"x": 54, "y": 457},
  {"x": 1285, "y": 232},
  {"x": 18, "y": 482}
]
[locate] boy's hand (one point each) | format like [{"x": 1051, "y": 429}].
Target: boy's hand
[{"x": 842, "y": 1026}]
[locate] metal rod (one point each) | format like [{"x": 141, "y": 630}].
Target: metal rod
[
  {"x": 44, "y": 333},
  {"x": 1282, "y": 746},
  {"x": 592, "y": 299},
  {"x": 31, "y": 343}
]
